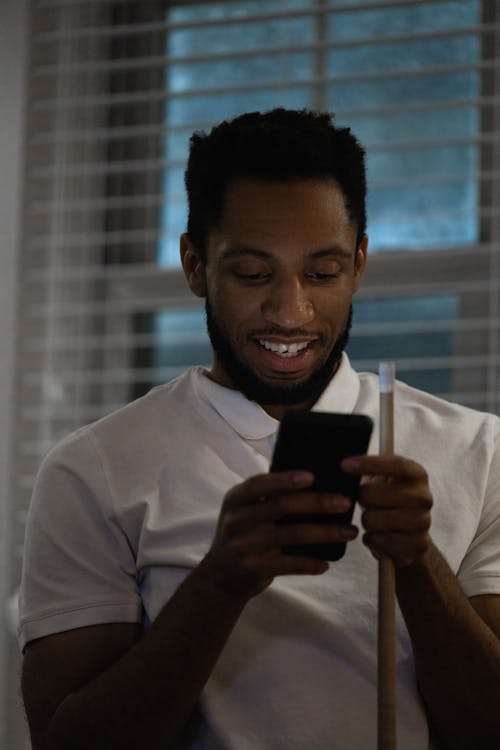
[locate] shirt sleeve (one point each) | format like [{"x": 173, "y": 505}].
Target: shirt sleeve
[
  {"x": 479, "y": 572},
  {"x": 78, "y": 567}
]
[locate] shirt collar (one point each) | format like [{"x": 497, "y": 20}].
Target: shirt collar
[
  {"x": 246, "y": 417},
  {"x": 342, "y": 392},
  {"x": 250, "y": 420}
]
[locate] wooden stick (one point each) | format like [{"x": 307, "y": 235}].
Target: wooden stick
[{"x": 386, "y": 586}]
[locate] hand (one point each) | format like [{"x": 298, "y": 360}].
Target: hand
[
  {"x": 247, "y": 551},
  {"x": 397, "y": 511}
]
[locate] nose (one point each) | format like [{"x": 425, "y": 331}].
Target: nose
[{"x": 288, "y": 304}]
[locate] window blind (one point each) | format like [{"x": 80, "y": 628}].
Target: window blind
[{"x": 116, "y": 89}]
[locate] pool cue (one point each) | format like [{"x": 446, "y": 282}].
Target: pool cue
[{"x": 386, "y": 586}]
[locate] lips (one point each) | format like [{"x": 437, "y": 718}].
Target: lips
[
  {"x": 283, "y": 349},
  {"x": 285, "y": 356}
]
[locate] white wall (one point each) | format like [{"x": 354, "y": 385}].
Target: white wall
[{"x": 13, "y": 37}]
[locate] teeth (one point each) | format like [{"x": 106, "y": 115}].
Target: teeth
[{"x": 284, "y": 350}]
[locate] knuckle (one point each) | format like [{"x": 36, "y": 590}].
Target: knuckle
[
  {"x": 367, "y": 519},
  {"x": 402, "y": 464},
  {"x": 428, "y": 501},
  {"x": 425, "y": 522},
  {"x": 228, "y": 521},
  {"x": 308, "y": 534},
  {"x": 417, "y": 522},
  {"x": 318, "y": 504},
  {"x": 282, "y": 504},
  {"x": 402, "y": 548},
  {"x": 423, "y": 473},
  {"x": 247, "y": 562},
  {"x": 230, "y": 495},
  {"x": 422, "y": 544},
  {"x": 253, "y": 485},
  {"x": 335, "y": 503},
  {"x": 289, "y": 534},
  {"x": 365, "y": 496},
  {"x": 412, "y": 469},
  {"x": 423, "y": 501},
  {"x": 323, "y": 503}
]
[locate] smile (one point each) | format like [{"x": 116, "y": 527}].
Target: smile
[{"x": 284, "y": 350}]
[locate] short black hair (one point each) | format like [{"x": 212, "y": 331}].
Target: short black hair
[{"x": 280, "y": 144}]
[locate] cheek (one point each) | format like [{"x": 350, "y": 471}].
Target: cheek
[
  {"x": 333, "y": 306},
  {"x": 229, "y": 314},
  {"x": 234, "y": 305}
]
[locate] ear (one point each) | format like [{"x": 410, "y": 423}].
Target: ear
[
  {"x": 193, "y": 267},
  {"x": 360, "y": 261}
]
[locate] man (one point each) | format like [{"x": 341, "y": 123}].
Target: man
[{"x": 159, "y": 609}]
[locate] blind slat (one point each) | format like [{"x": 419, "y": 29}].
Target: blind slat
[
  {"x": 148, "y": 166},
  {"x": 139, "y": 29},
  {"x": 81, "y": 240},
  {"x": 68, "y": 103},
  {"x": 165, "y": 61}
]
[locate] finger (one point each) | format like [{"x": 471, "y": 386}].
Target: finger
[
  {"x": 388, "y": 495},
  {"x": 299, "y": 503},
  {"x": 291, "y": 565},
  {"x": 403, "y": 521},
  {"x": 395, "y": 467},
  {"x": 268, "y": 485},
  {"x": 403, "y": 549},
  {"x": 298, "y": 565},
  {"x": 242, "y": 519},
  {"x": 298, "y": 533}
]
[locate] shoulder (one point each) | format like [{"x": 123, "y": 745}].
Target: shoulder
[
  {"x": 428, "y": 424},
  {"x": 154, "y": 408},
  {"x": 133, "y": 425},
  {"x": 130, "y": 443},
  {"x": 427, "y": 406},
  {"x": 443, "y": 414}
]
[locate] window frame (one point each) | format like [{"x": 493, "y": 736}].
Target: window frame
[{"x": 440, "y": 271}]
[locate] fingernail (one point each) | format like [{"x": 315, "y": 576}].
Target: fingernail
[
  {"x": 348, "y": 532},
  {"x": 341, "y": 503},
  {"x": 349, "y": 464},
  {"x": 302, "y": 477}
]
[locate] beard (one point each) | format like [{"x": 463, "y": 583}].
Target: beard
[{"x": 270, "y": 394}]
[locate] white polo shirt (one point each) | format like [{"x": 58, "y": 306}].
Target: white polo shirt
[{"x": 125, "y": 508}]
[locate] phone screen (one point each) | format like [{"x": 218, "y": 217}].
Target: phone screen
[{"x": 317, "y": 442}]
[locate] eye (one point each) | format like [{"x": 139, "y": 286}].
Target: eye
[
  {"x": 323, "y": 275},
  {"x": 252, "y": 276},
  {"x": 251, "y": 272},
  {"x": 320, "y": 275}
]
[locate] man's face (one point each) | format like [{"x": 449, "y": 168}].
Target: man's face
[{"x": 282, "y": 266}]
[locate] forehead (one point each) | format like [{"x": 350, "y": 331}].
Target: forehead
[{"x": 302, "y": 214}]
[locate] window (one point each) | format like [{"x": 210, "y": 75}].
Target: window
[
  {"x": 115, "y": 90},
  {"x": 405, "y": 77},
  {"x": 409, "y": 79}
]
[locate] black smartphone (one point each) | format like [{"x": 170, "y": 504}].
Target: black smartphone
[{"x": 317, "y": 442}]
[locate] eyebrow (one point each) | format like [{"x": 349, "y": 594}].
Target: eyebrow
[
  {"x": 333, "y": 252},
  {"x": 243, "y": 250}
]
